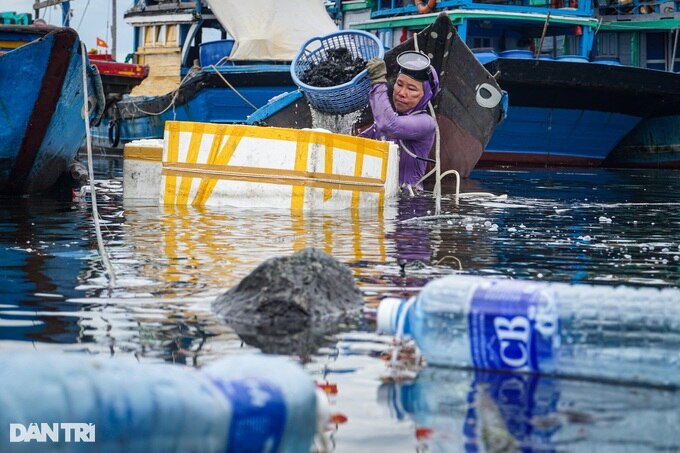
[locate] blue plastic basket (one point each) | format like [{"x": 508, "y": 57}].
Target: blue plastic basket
[{"x": 349, "y": 96}]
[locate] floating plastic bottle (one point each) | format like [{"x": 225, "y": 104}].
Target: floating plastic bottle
[
  {"x": 245, "y": 403},
  {"x": 600, "y": 332},
  {"x": 476, "y": 411}
]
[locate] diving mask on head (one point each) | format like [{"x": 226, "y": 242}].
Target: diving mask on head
[{"x": 416, "y": 65}]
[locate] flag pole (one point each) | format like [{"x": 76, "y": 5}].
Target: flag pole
[{"x": 113, "y": 29}]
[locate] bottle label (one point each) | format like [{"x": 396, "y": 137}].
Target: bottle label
[
  {"x": 258, "y": 415},
  {"x": 513, "y": 326}
]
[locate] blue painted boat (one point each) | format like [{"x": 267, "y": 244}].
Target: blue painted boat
[
  {"x": 573, "y": 112},
  {"x": 192, "y": 78},
  {"x": 203, "y": 97},
  {"x": 654, "y": 143},
  {"x": 649, "y": 40},
  {"x": 41, "y": 97},
  {"x": 580, "y": 97}
]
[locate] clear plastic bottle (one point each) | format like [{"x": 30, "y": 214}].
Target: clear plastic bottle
[
  {"x": 590, "y": 331},
  {"x": 240, "y": 403}
]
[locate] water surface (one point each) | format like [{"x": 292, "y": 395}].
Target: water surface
[{"x": 576, "y": 225}]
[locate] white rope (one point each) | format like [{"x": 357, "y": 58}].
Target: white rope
[
  {"x": 83, "y": 16},
  {"x": 438, "y": 164},
  {"x": 90, "y": 170},
  {"x": 437, "y": 147},
  {"x": 437, "y": 192},
  {"x": 175, "y": 93},
  {"x": 412, "y": 154},
  {"x": 232, "y": 87}
]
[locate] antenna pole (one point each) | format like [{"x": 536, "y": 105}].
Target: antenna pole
[{"x": 113, "y": 28}]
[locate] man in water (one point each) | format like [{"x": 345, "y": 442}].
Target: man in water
[{"x": 405, "y": 120}]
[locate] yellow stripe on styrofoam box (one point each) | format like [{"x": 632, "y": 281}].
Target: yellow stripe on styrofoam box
[
  {"x": 170, "y": 154},
  {"x": 145, "y": 153},
  {"x": 370, "y": 147},
  {"x": 328, "y": 163},
  {"x": 220, "y": 159},
  {"x": 358, "y": 170},
  {"x": 215, "y": 145},
  {"x": 297, "y": 200},
  {"x": 192, "y": 157}
]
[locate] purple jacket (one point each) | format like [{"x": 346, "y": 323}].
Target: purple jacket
[{"x": 414, "y": 129}]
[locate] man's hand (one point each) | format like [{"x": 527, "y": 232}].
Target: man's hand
[{"x": 377, "y": 71}]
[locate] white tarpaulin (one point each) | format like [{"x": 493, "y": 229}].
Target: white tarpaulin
[{"x": 271, "y": 29}]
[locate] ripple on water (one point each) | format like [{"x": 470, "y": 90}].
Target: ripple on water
[{"x": 171, "y": 263}]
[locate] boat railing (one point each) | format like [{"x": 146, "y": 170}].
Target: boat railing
[
  {"x": 636, "y": 7},
  {"x": 391, "y": 8}
]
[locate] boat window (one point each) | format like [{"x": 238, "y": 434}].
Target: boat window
[
  {"x": 479, "y": 43},
  {"x": 210, "y": 34},
  {"x": 160, "y": 35},
  {"x": 656, "y": 50},
  {"x": 386, "y": 37},
  {"x": 150, "y": 36},
  {"x": 607, "y": 45},
  {"x": 171, "y": 35}
]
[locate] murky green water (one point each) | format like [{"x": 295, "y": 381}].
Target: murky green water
[{"x": 557, "y": 225}]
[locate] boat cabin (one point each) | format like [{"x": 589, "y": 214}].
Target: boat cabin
[{"x": 630, "y": 32}]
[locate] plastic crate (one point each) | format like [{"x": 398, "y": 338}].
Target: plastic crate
[{"x": 339, "y": 99}]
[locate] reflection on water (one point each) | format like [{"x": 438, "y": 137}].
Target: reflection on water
[
  {"x": 579, "y": 226},
  {"x": 187, "y": 251},
  {"x": 513, "y": 412}
]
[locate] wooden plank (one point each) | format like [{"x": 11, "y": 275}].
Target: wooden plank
[{"x": 47, "y": 3}]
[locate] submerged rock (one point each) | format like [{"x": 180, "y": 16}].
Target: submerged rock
[
  {"x": 288, "y": 294},
  {"x": 339, "y": 67}
]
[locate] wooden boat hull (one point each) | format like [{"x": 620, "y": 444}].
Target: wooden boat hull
[
  {"x": 207, "y": 164},
  {"x": 572, "y": 113},
  {"x": 41, "y": 84},
  {"x": 465, "y": 125}
]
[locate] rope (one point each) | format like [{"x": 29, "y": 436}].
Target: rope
[
  {"x": 232, "y": 87},
  {"x": 460, "y": 265},
  {"x": 437, "y": 192},
  {"x": 90, "y": 170},
  {"x": 83, "y": 16},
  {"x": 675, "y": 47},
  {"x": 414, "y": 155},
  {"x": 437, "y": 148},
  {"x": 175, "y": 93}
]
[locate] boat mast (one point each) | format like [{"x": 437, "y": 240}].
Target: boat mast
[
  {"x": 65, "y": 9},
  {"x": 113, "y": 29}
]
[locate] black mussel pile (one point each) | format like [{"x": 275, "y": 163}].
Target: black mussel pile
[{"x": 339, "y": 67}]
